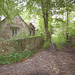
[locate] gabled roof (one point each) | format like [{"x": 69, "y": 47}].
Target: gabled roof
[
  {"x": 23, "y": 21},
  {"x": 34, "y": 25}
]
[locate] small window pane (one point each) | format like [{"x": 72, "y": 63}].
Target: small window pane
[
  {"x": 12, "y": 32},
  {"x": 30, "y": 33},
  {"x": 15, "y": 31}
]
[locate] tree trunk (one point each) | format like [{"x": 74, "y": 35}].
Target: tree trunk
[
  {"x": 46, "y": 27},
  {"x": 45, "y": 17},
  {"x": 67, "y": 34}
]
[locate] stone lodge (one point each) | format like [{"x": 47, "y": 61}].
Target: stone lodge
[{"x": 18, "y": 26}]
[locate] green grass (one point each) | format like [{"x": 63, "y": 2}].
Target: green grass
[{"x": 14, "y": 56}]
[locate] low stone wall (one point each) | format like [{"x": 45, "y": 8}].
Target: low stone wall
[{"x": 20, "y": 44}]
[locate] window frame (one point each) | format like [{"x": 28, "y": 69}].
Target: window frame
[{"x": 14, "y": 32}]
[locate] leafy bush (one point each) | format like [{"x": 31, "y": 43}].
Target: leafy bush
[
  {"x": 44, "y": 37},
  {"x": 72, "y": 32},
  {"x": 34, "y": 51},
  {"x": 14, "y": 56},
  {"x": 46, "y": 44}
]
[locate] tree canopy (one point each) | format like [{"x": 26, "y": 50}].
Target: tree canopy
[
  {"x": 9, "y": 8},
  {"x": 45, "y": 9}
]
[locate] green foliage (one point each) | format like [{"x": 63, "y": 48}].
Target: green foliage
[
  {"x": 26, "y": 53},
  {"x": 34, "y": 51},
  {"x": 1, "y": 39},
  {"x": 9, "y": 8},
  {"x": 15, "y": 56},
  {"x": 70, "y": 44},
  {"x": 59, "y": 40},
  {"x": 33, "y": 36},
  {"x": 72, "y": 32},
  {"x": 42, "y": 6},
  {"x": 44, "y": 36},
  {"x": 46, "y": 44}
]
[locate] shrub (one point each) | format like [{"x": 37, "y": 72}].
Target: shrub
[
  {"x": 34, "y": 51},
  {"x": 46, "y": 44},
  {"x": 15, "y": 56}
]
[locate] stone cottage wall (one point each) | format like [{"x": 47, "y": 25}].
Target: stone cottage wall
[
  {"x": 23, "y": 27},
  {"x": 5, "y": 31},
  {"x": 6, "y": 28},
  {"x": 20, "y": 44}
]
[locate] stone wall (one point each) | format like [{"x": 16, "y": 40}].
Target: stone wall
[{"x": 20, "y": 44}]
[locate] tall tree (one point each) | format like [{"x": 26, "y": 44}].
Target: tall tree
[
  {"x": 45, "y": 12},
  {"x": 44, "y": 8}
]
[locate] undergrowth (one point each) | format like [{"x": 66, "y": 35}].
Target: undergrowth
[
  {"x": 59, "y": 41},
  {"x": 14, "y": 56},
  {"x": 70, "y": 44},
  {"x": 46, "y": 44}
]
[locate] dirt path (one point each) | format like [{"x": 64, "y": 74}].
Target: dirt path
[{"x": 49, "y": 62}]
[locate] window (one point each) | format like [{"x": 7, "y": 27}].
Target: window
[
  {"x": 30, "y": 33},
  {"x": 14, "y": 32}
]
